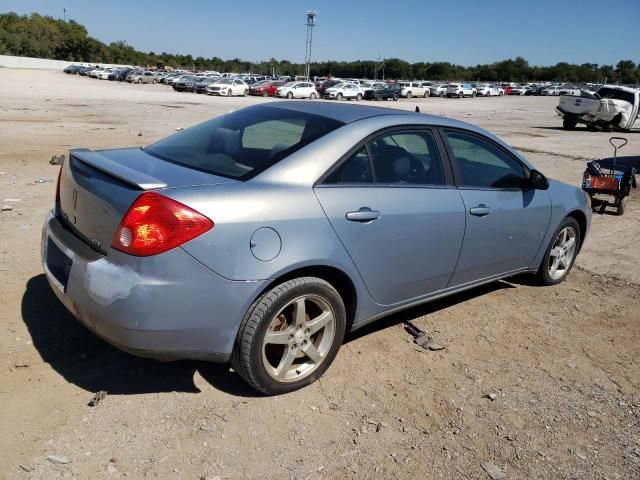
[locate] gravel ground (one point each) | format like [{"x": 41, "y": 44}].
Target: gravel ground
[{"x": 533, "y": 382}]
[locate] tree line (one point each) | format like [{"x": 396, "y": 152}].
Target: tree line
[{"x": 45, "y": 37}]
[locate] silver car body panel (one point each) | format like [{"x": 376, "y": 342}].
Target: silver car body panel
[{"x": 189, "y": 302}]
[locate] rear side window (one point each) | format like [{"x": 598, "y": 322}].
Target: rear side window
[
  {"x": 242, "y": 144},
  {"x": 482, "y": 164},
  {"x": 398, "y": 158}
]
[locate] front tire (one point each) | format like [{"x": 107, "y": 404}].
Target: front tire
[
  {"x": 289, "y": 95},
  {"x": 229, "y": 93},
  {"x": 290, "y": 336},
  {"x": 339, "y": 97},
  {"x": 561, "y": 253},
  {"x": 568, "y": 123},
  {"x": 359, "y": 97}
]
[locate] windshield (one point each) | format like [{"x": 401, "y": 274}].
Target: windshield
[
  {"x": 241, "y": 144},
  {"x": 289, "y": 84},
  {"x": 225, "y": 81},
  {"x": 615, "y": 94}
]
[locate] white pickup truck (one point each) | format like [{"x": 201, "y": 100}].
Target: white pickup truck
[{"x": 612, "y": 107}]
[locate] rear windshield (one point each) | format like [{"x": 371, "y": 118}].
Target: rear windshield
[
  {"x": 242, "y": 144},
  {"x": 615, "y": 94}
]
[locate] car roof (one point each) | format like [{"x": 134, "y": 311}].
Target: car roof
[{"x": 342, "y": 112}]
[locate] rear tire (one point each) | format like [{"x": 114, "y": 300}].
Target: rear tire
[
  {"x": 568, "y": 123},
  {"x": 280, "y": 328},
  {"x": 312, "y": 96},
  {"x": 546, "y": 274},
  {"x": 395, "y": 97},
  {"x": 426, "y": 94},
  {"x": 339, "y": 97},
  {"x": 460, "y": 95},
  {"x": 359, "y": 97},
  {"x": 409, "y": 95},
  {"x": 622, "y": 204},
  {"x": 473, "y": 94},
  {"x": 265, "y": 94}
]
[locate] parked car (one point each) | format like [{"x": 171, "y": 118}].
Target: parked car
[
  {"x": 482, "y": 89},
  {"x": 201, "y": 85},
  {"x": 141, "y": 77},
  {"x": 518, "y": 90},
  {"x": 552, "y": 90},
  {"x": 569, "y": 90},
  {"x": 612, "y": 107},
  {"x": 94, "y": 73},
  {"x": 72, "y": 69},
  {"x": 322, "y": 86},
  {"x": 413, "y": 89},
  {"x": 266, "y": 88},
  {"x": 120, "y": 74},
  {"x": 297, "y": 90},
  {"x": 385, "y": 91},
  {"x": 263, "y": 236},
  {"x": 437, "y": 90},
  {"x": 228, "y": 87},
  {"x": 104, "y": 74},
  {"x": 534, "y": 90},
  {"x": 84, "y": 71},
  {"x": 460, "y": 90},
  {"x": 185, "y": 84},
  {"x": 344, "y": 91}
]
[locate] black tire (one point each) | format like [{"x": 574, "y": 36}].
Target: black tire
[
  {"x": 154, "y": 81},
  {"x": 359, "y": 97},
  {"x": 426, "y": 93},
  {"x": 569, "y": 123},
  {"x": 461, "y": 95},
  {"x": 247, "y": 358},
  {"x": 395, "y": 97},
  {"x": 409, "y": 95},
  {"x": 339, "y": 97},
  {"x": 442, "y": 94},
  {"x": 289, "y": 95},
  {"x": 622, "y": 204},
  {"x": 265, "y": 94},
  {"x": 473, "y": 94},
  {"x": 312, "y": 96},
  {"x": 228, "y": 92},
  {"x": 542, "y": 276}
]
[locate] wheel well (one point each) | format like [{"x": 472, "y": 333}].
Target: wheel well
[
  {"x": 582, "y": 222},
  {"x": 337, "y": 278}
]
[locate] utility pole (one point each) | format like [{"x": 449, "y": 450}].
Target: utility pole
[
  {"x": 64, "y": 12},
  {"x": 312, "y": 15}
]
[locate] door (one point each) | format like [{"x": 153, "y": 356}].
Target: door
[
  {"x": 396, "y": 212},
  {"x": 505, "y": 223}
]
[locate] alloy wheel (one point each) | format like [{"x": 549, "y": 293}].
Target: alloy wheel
[
  {"x": 562, "y": 253},
  {"x": 298, "y": 338}
]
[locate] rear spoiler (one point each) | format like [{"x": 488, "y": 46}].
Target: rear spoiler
[{"x": 117, "y": 170}]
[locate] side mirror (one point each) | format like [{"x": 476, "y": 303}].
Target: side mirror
[{"x": 537, "y": 181}]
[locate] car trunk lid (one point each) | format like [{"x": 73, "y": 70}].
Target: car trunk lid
[{"x": 98, "y": 187}]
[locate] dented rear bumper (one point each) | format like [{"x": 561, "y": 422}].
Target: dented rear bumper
[{"x": 167, "y": 307}]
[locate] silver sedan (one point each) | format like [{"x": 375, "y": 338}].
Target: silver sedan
[{"x": 263, "y": 236}]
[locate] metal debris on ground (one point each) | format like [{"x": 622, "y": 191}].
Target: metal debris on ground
[
  {"x": 421, "y": 338},
  {"x": 57, "y": 160},
  {"x": 97, "y": 398},
  {"x": 58, "y": 459},
  {"x": 493, "y": 471}
]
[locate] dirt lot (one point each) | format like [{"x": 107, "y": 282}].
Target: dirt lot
[{"x": 561, "y": 364}]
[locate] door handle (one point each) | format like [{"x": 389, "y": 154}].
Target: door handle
[
  {"x": 480, "y": 211},
  {"x": 365, "y": 214}
]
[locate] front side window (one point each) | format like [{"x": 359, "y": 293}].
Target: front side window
[
  {"x": 483, "y": 164},
  {"x": 243, "y": 143}
]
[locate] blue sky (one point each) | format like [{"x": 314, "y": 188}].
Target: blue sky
[{"x": 465, "y": 32}]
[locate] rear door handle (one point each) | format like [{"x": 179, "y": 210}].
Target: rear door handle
[
  {"x": 480, "y": 211},
  {"x": 365, "y": 214}
]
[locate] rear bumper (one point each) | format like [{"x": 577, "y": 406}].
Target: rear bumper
[{"x": 167, "y": 307}]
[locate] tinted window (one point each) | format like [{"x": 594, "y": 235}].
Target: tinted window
[
  {"x": 243, "y": 143},
  {"x": 483, "y": 164},
  {"x": 410, "y": 157},
  {"x": 356, "y": 169}
]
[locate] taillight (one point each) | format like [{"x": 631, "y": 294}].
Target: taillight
[
  {"x": 58, "y": 186},
  {"x": 155, "y": 224}
]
